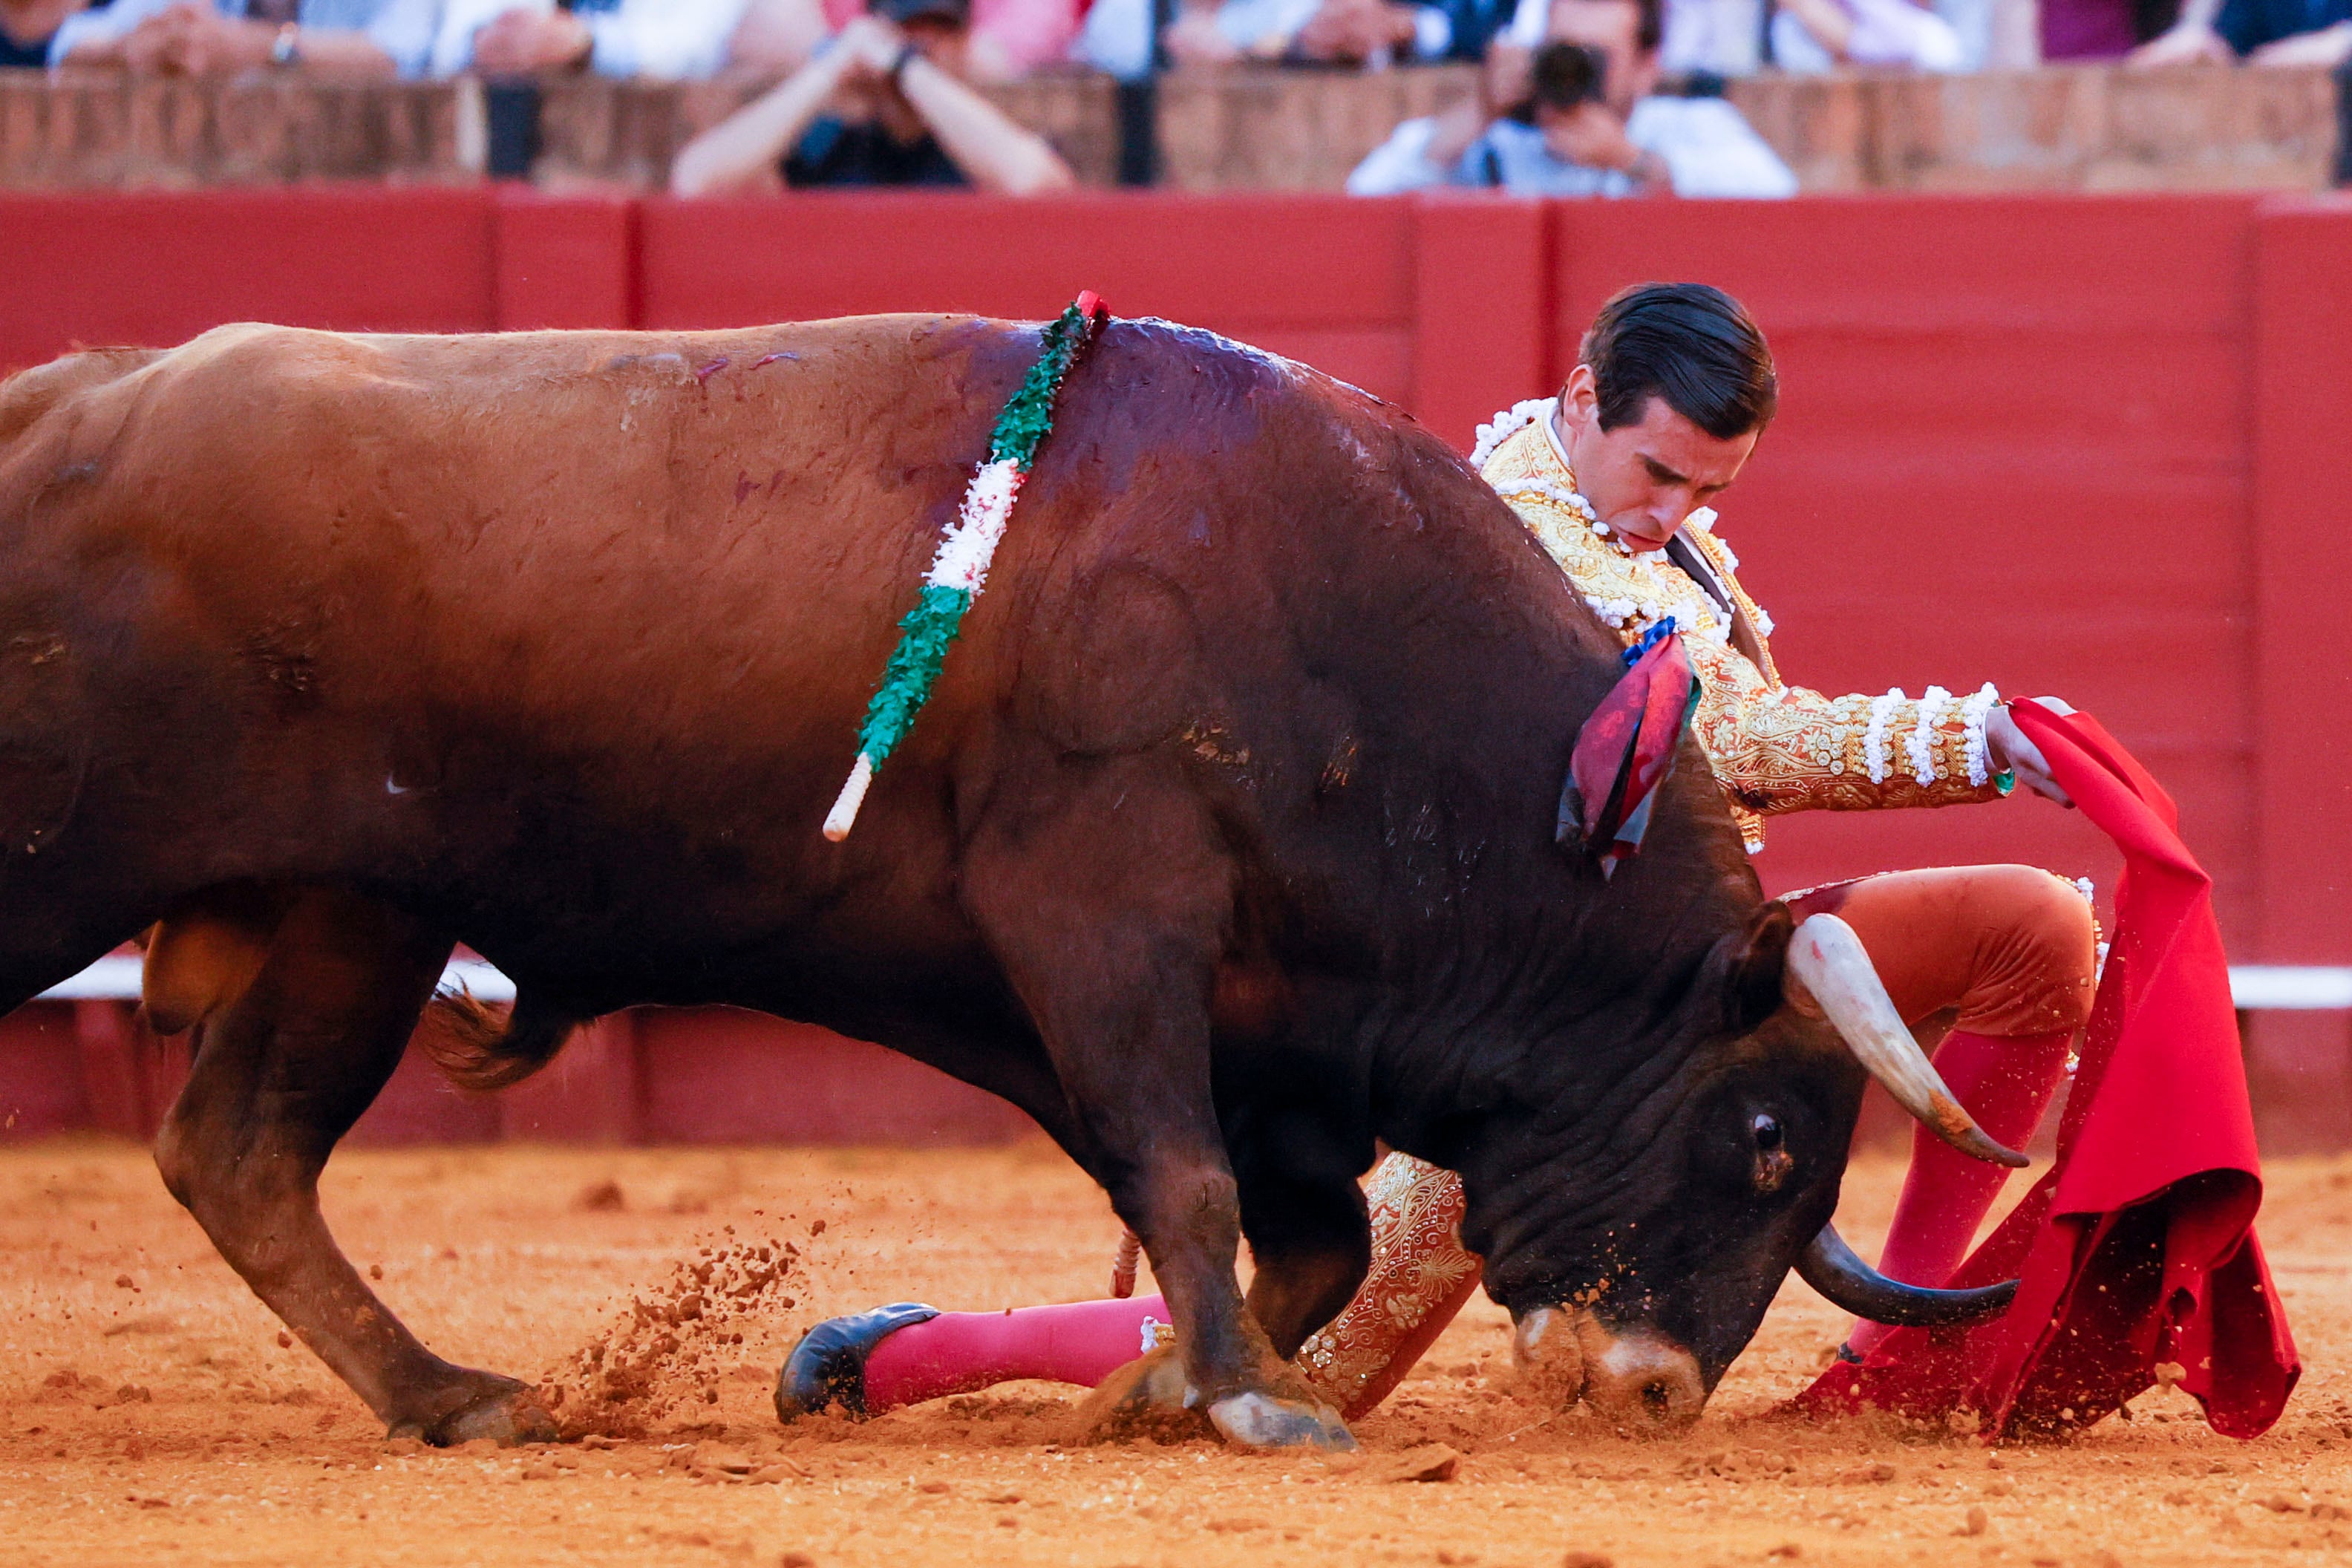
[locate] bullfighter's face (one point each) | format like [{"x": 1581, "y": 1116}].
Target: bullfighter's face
[{"x": 1646, "y": 478}]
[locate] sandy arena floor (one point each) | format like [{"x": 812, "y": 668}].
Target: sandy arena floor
[{"x": 148, "y": 1414}]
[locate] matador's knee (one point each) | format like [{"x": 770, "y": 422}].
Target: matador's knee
[{"x": 2044, "y": 965}]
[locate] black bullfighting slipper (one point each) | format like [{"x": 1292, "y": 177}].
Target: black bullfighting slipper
[
  {"x": 1846, "y": 1353},
  {"x": 828, "y": 1366}
]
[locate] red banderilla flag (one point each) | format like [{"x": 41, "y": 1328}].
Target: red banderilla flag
[{"x": 1627, "y": 747}]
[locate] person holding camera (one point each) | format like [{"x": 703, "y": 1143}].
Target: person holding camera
[
  {"x": 1565, "y": 140},
  {"x": 883, "y": 102},
  {"x": 1581, "y": 116}
]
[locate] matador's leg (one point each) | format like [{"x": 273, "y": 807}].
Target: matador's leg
[
  {"x": 2013, "y": 952},
  {"x": 1420, "y": 1278},
  {"x": 903, "y": 1354}
]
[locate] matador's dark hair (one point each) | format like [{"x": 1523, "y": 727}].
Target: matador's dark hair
[{"x": 1691, "y": 344}]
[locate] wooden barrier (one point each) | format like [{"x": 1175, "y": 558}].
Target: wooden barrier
[
  {"x": 105, "y": 130},
  {"x": 2059, "y": 128},
  {"x": 1262, "y": 128},
  {"x": 2085, "y": 446},
  {"x": 1245, "y": 128}
]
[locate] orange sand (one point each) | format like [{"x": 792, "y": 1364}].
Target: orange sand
[{"x": 148, "y": 1413}]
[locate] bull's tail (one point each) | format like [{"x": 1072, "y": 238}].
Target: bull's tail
[
  {"x": 480, "y": 1047},
  {"x": 202, "y": 958}
]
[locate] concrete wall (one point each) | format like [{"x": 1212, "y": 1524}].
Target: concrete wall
[{"x": 2079, "y": 127}]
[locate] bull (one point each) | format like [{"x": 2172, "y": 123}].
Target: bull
[{"x": 1225, "y": 849}]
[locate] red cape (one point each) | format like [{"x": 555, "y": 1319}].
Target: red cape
[{"x": 2137, "y": 1247}]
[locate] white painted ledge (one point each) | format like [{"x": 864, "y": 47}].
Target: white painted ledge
[{"x": 2284, "y": 988}]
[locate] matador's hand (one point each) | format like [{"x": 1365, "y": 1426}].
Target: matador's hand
[{"x": 2013, "y": 753}]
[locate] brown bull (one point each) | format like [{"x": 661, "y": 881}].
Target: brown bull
[{"x": 1223, "y": 849}]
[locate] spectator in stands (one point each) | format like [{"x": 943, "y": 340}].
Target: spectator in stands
[
  {"x": 667, "y": 39},
  {"x": 1311, "y": 32},
  {"x": 1009, "y": 38},
  {"x": 1708, "y": 146},
  {"x": 1712, "y": 37},
  {"x": 1552, "y": 129},
  {"x": 1471, "y": 25},
  {"x": 25, "y": 28},
  {"x": 1566, "y": 142},
  {"x": 2262, "y": 31},
  {"x": 1811, "y": 37},
  {"x": 884, "y": 104},
  {"x": 2089, "y": 29},
  {"x": 368, "y": 38},
  {"x": 776, "y": 38}
]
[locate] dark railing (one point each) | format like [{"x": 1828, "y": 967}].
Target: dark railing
[{"x": 2343, "y": 124}]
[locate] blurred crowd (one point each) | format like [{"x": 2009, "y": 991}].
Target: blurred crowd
[
  {"x": 1596, "y": 96},
  {"x": 674, "y": 39}
]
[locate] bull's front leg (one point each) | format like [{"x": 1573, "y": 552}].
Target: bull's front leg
[
  {"x": 1222, "y": 1363},
  {"x": 1308, "y": 1230},
  {"x": 1108, "y": 924},
  {"x": 281, "y": 1072}
]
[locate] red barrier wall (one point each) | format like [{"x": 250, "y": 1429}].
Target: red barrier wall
[
  {"x": 2300, "y": 833},
  {"x": 1320, "y": 279},
  {"x": 98, "y": 269},
  {"x": 2090, "y": 446}
]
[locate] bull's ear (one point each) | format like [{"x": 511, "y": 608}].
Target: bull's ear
[{"x": 1757, "y": 967}]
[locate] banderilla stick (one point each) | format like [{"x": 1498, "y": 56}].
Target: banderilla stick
[{"x": 1122, "y": 1267}]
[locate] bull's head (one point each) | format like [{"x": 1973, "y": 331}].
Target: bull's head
[{"x": 1636, "y": 1285}]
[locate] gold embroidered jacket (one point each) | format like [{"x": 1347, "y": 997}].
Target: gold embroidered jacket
[{"x": 1775, "y": 748}]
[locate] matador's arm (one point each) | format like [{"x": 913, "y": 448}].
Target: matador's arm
[
  {"x": 1786, "y": 748},
  {"x": 1776, "y": 748}
]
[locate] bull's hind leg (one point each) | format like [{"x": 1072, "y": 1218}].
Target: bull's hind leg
[
  {"x": 1115, "y": 967},
  {"x": 281, "y": 1072}
]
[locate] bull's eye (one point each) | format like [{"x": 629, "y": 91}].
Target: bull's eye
[{"x": 1773, "y": 1162}]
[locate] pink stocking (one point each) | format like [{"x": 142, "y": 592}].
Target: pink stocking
[
  {"x": 956, "y": 1353},
  {"x": 2007, "y": 1083}
]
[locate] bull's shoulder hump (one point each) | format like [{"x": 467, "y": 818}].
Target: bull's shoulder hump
[
  {"x": 28, "y": 394},
  {"x": 255, "y": 353},
  {"x": 1243, "y": 377},
  {"x": 1151, "y": 337}
]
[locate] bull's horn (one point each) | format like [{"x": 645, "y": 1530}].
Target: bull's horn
[
  {"x": 1827, "y": 959},
  {"x": 1831, "y": 1266}
]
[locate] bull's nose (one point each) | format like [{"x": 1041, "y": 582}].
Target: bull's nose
[
  {"x": 1647, "y": 1382},
  {"x": 1636, "y": 1378}
]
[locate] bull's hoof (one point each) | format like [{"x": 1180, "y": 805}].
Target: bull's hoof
[
  {"x": 1256, "y": 1420},
  {"x": 1149, "y": 1397},
  {"x": 507, "y": 1414},
  {"x": 1153, "y": 1398}
]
